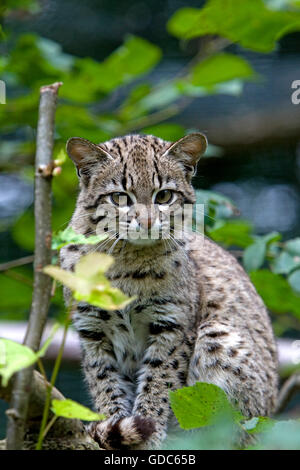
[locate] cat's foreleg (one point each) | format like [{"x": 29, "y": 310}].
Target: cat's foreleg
[
  {"x": 164, "y": 368},
  {"x": 111, "y": 392}
]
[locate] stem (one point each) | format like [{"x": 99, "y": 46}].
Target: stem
[
  {"x": 49, "y": 425},
  {"x": 57, "y": 363},
  {"x": 42, "y": 369},
  {"x": 42, "y": 283}
]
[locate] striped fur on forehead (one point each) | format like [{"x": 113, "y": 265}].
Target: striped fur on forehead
[
  {"x": 140, "y": 165},
  {"x": 136, "y": 144}
]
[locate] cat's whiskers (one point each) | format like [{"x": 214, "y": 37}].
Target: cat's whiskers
[{"x": 110, "y": 251}]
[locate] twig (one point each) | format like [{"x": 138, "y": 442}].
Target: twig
[
  {"x": 42, "y": 282},
  {"x": 289, "y": 388},
  {"x": 51, "y": 385},
  {"x": 17, "y": 262},
  {"x": 17, "y": 277},
  {"x": 49, "y": 426}
]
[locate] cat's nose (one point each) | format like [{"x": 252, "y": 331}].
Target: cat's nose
[{"x": 146, "y": 222}]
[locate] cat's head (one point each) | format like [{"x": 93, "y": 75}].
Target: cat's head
[{"x": 132, "y": 186}]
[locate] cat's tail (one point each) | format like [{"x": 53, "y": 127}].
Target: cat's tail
[{"x": 122, "y": 434}]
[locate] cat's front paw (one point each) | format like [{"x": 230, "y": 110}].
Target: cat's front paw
[{"x": 122, "y": 434}]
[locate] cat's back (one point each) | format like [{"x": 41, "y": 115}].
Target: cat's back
[
  {"x": 234, "y": 334},
  {"x": 229, "y": 295}
]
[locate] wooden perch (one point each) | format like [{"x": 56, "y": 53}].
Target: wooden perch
[{"x": 64, "y": 434}]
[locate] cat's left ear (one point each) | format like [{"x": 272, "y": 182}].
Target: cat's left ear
[
  {"x": 86, "y": 155},
  {"x": 188, "y": 150}
]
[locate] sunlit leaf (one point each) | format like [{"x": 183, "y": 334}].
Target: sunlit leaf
[
  {"x": 68, "y": 279},
  {"x": 15, "y": 356},
  {"x": 89, "y": 283},
  {"x": 93, "y": 264},
  {"x": 73, "y": 410}
]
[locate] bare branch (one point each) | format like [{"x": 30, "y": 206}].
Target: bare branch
[
  {"x": 16, "y": 262},
  {"x": 42, "y": 283}
]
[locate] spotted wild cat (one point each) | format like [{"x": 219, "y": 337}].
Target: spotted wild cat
[{"x": 197, "y": 317}]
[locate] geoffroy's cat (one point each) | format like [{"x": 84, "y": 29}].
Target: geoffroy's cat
[{"x": 196, "y": 316}]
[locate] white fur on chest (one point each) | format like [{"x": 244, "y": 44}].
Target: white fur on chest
[{"x": 129, "y": 345}]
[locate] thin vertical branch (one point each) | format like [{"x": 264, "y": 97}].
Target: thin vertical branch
[
  {"x": 44, "y": 426},
  {"x": 42, "y": 283}
]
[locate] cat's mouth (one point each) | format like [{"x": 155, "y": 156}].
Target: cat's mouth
[
  {"x": 144, "y": 237},
  {"x": 143, "y": 242}
]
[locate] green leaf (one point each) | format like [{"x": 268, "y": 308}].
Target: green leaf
[
  {"x": 293, "y": 246},
  {"x": 233, "y": 233},
  {"x": 294, "y": 280},
  {"x": 276, "y": 292},
  {"x": 73, "y": 410},
  {"x": 285, "y": 263},
  {"x": 254, "y": 255},
  {"x": 15, "y": 356},
  {"x": 200, "y": 405},
  {"x": 93, "y": 264},
  {"x": 134, "y": 58},
  {"x": 89, "y": 283},
  {"x": 271, "y": 237},
  {"x": 248, "y": 22},
  {"x": 69, "y": 236},
  {"x": 220, "y": 68}
]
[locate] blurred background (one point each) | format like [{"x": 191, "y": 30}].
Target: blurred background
[{"x": 139, "y": 66}]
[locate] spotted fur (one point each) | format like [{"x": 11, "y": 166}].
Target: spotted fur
[{"x": 197, "y": 317}]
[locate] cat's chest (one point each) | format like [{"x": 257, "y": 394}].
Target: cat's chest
[{"x": 129, "y": 337}]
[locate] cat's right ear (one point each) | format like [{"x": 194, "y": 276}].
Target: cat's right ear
[{"x": 85, "y": 154}]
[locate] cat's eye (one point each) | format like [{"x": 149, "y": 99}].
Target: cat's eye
[
  {"x": 121, "y": 199},
  {"x": 165, "y": 196}
]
